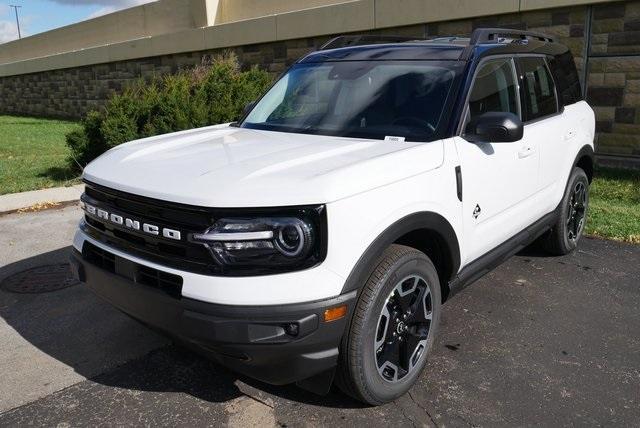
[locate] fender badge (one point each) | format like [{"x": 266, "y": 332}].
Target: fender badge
[{"x": 477, "y": 211}]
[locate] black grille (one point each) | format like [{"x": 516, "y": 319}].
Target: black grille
[
  {"x": 182, "y": 254},
  {"x": 177, "y": 215},
  {"x": 99, "y": 257},
  {"x": 163, "y": 281}
]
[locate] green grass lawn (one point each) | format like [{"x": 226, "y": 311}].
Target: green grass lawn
[
  {"x": 614, "y": 210},
  {"x": 33, "y": 154}
]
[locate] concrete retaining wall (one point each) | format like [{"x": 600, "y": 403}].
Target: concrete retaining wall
[
  {"x": 604, "y": 38},
  {"x": 148, "y": 20}
]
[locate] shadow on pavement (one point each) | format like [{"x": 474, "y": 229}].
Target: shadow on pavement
[
  {"x": 75, "y": 327},
  {"x": 539, "y": 341}
]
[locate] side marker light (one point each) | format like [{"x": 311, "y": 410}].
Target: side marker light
[{"x": 333, "y": 314}]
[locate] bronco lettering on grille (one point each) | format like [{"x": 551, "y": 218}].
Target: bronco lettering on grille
[{"x": 130, "y": 223}]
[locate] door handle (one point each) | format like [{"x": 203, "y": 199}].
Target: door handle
[{"x": 525, "y": 152}]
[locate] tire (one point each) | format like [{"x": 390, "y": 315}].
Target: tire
[
  {"x": 569, "y": 227},
  {"x": 411, "y": 277}
]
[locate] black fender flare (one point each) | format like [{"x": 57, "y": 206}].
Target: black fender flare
[
  {"x": 585, "y": 151},
  {"x": 416, "y": 221}
]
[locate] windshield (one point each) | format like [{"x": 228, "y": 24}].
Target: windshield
[{"x": 364, "y": 99}]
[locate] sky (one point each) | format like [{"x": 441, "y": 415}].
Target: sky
[{"x": 37, "y": 16}]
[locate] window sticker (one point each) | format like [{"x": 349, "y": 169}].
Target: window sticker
[{"x": 394, "y": 138}]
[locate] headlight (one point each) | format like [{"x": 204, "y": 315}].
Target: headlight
[{"x": 266, "y": 244}]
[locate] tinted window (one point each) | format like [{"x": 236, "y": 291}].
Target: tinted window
[
  {"x": 538, "y": 88},
  {"x": 494, "y": 89},
  {"x": 366, "y": 99},
  {"x": 565, "y": 74}
]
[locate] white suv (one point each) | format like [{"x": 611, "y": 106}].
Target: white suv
[{"x": 318, "y": 237}]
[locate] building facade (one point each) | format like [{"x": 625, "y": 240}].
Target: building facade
[{"x": 68, "y": 78}]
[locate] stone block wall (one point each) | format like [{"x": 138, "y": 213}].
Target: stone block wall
[
  {"x": 614, "y": 77},
  {"x": 604, "y": 39}
]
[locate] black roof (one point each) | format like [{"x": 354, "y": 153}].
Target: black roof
[{"x": 483, "y": 41}]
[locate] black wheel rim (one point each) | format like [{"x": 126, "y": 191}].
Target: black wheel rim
[
  {"x": 577, "y": 212},
  {"x": 403, "y": 329}
]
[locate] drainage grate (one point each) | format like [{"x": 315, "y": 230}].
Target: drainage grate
[{"x": 42, "y": 279}]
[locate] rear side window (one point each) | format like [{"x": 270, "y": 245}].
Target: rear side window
[
  {"x": 538, "y": 87},
  {"x": 565, "y": 75},
  {"x": 494, "y": 89}
]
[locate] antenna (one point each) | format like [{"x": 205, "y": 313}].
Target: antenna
[{"x": 15, "y": 9}]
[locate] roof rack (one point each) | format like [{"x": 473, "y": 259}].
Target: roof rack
[
  {"x": 365, "y": 39},
  {"x": 449, "y": 39},
  {"x": 493, "y": 35},
  {"x": 480, "y": 35}
]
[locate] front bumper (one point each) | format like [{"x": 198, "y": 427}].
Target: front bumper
[{"x": 277, "y": 344}]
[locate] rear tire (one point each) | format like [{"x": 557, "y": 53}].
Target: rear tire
[
  {"x": 570, "y": 224},
  {"x": 393, "y": 327}
]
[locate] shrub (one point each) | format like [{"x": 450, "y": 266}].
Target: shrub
[{"x": 211, "y": 93}]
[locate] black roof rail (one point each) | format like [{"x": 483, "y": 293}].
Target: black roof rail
[
  {"x": 493, "y": 35},
  {"x": 365, "y": 39},
  {"x": 450, "y": 39},
  {"x": 480, "y": 35}
]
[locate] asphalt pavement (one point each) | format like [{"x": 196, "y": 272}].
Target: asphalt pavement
[{"x": 539, "y": 341}]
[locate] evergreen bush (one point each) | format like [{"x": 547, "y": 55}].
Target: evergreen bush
[{"x": 208, "y": 94}]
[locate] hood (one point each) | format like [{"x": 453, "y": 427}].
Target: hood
[{"x": 224, "y": 166}]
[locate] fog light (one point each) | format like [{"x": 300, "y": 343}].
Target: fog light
[
  {"x": 292, "y": 329},
  {"x": 336, "y": 313}
]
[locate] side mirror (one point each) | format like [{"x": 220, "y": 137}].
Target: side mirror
[
  {"x": 248, "y": 108},
  {"x": 495, "y": 127}
]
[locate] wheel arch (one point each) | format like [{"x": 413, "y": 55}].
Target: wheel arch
[
  {"x": 428, "y": 232},
  {"x": 585, "y": 159}
]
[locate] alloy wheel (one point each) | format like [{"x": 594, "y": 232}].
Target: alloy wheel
[
  {"x": 577, "y": 211},
  {"x": 403, "y": 328}
]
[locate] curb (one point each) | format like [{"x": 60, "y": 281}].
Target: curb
[{"x": 37, "y": 200}]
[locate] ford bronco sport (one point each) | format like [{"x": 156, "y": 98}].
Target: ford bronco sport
[{"x": 317, "y": 238}]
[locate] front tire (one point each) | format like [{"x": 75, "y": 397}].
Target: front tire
[
  {"x": 570, "y": 224},
  {"x": 393, "y": 327}
]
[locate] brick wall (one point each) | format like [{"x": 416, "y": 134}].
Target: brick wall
[{"x": 609, "y": 32}]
